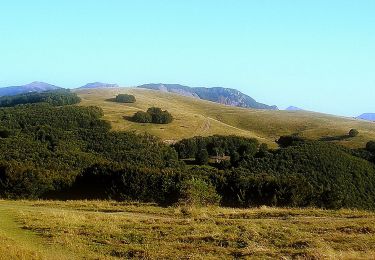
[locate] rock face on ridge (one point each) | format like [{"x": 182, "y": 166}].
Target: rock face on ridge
[
  {"x": 226, "y": 96},
  {"x": 99, "y": 85}
]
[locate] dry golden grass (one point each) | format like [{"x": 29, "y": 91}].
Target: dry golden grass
[
  {"x": 9, "y": 249},
  {"x": 198, "y": 117},
  {"x": 110, "y": 230}
]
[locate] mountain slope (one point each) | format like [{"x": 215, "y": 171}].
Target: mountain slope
[
  {"x": 226, "y": 96},
  {"x": 293, "y": 108},
  {"x": 367, "y": 116},
  {"x": 35, "y": 86},
  {"x": 99, "y": 85},
  {"x": 195, "y": 117}
]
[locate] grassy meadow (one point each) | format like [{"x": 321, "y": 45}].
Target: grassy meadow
[
  {"x": 113, "y": 230},
  {"x": 42, "y": 229},
  {"x": 195, "y": 117}
]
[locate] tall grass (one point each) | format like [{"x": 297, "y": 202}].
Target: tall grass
[{"x": 107, "y": 229}]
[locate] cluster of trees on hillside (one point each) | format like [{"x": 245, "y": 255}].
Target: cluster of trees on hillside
[
  {"x": 55, "y": 98},
  {"x": 125, "y": 98},
  {"x": 306, "y": 174},
  {"x": 70, "y": 152},
  {"x": 153, "y": 115},
  {"x": 202, "y": 148}
]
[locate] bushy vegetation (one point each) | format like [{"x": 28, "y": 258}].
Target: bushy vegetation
[
  {"x": 216, "y": 146},
  {"x": 370, "y": 146},
  {"x": 311, "y": 174},
  {"x": 153, "y": 115},
  {"x": 55, "y": 98},
  {"x": 125, "y": 98},
  {"x": 44, "y": 148},
  {"x": 353, "y": 132},
  {"x": 289, "y": 140},
  {"x": 70, "y": 152},
  {"x": 197, "y": 192},
  {"x": 201, "y": 157},
  {"x": 142, "y": 117}
]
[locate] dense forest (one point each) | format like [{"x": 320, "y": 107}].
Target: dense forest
[
  {"x": 52, "y": 149},
  {"x": 55, "y": 98}
]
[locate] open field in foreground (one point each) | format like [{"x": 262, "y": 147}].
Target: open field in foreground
[
  {"x": 112, "y": 230},
  {"x": 194, "y": 117}
]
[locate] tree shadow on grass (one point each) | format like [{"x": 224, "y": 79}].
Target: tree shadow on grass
[{"x": 334, "y": 138}]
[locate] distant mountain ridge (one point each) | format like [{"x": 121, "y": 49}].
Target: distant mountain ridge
[
  {"x": 293, "y": 108},
  {"x": 99, "y": 85},
  {"x": 226, "y": 96},
  {"x": 35, "y": 86},
  {"x": 367, "y": 116}
]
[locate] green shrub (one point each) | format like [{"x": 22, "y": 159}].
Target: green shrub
[
  {"x": 353, "y": 132},
  {"x": 196, "y": 192},
  {"x": 142, "y": 117},
  {"x": 125, "y": 98},
  {"x": 289, "y": 140},
  {"x": 153, "y": 115},
  {"x": 154, "y": 110},
  {"x": 159, "y": 116}
]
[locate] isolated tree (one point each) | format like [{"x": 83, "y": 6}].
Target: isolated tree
[{"x": 353, "y": 132}]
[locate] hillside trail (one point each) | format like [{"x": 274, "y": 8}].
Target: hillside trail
[{"x": 26, "y": 240}]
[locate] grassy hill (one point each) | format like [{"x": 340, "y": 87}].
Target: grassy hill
[
  {"x": 195, "y": 117},
  {"x": 114, "y": 230}
]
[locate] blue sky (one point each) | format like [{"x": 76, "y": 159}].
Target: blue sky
[{"x": 318, "y": 55}]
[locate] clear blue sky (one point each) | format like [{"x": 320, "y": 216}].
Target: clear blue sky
[{"x": 318, "y": 55}]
